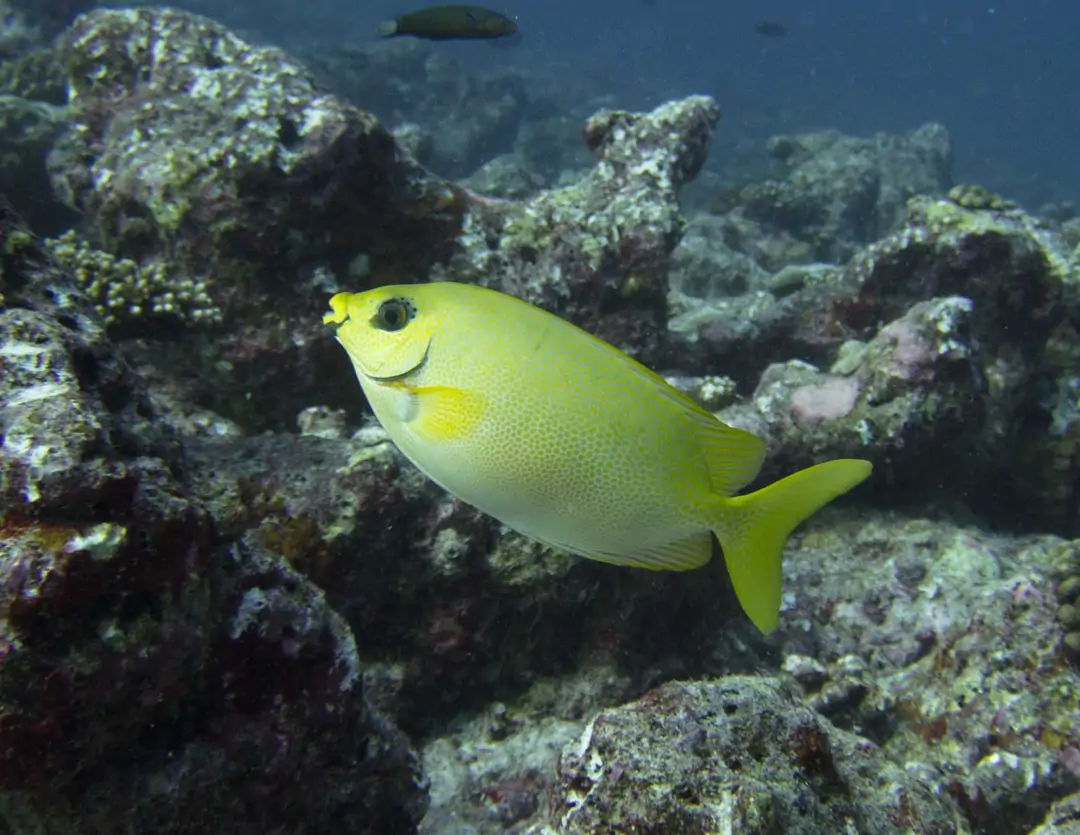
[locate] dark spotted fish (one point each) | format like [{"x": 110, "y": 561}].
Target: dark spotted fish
[{"x": 451, "y": 22}]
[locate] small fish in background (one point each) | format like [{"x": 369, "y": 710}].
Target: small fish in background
[
  {"x": 451, "y": 22},
  {"x": 568, "y": 440},
  {"x": 771, "y": 29}
]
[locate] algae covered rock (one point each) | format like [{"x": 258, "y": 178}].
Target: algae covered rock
[
  {"x": 28, "y": 129},
  {"x": 705, "y": 266},
  {"x": 943, "y": 644},
  {"x": 938, "y": 643},
  {"x": 92, "y": 514},
  {"x": 739, "y": 755},
  {"x": 224, "y": 164},
  {"x": 211, "y": 163},
  {"x": 1010, "y": 265},
  {"x": 914, "y": 386},
  {"x": 939, "y": 349},
  {"x": 453, "y": 610},
  {"x": 171, "y": 145},
  {"x": 76, "y": 421},
  {"x": 154, "y": 675},
  {"x": 596, "y": 251},
  {"x": 837, "y": 193},
  {"x": 1021, "y": 288},
  {"x": 1062, "y": 819}
]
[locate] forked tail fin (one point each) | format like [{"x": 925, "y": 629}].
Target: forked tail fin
[{"x": 752, "y": 530}]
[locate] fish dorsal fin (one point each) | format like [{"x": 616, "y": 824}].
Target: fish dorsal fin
[
  {"x": 733, "y": 456},
  {"x": 690, "y": 552}
]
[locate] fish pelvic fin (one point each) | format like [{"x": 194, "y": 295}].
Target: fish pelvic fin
[{"x": 752, "y": 530}]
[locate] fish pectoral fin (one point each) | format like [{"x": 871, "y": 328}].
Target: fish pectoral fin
[
  {"x": 439, "y": 413},
  {"x": 681, "y": 555}
]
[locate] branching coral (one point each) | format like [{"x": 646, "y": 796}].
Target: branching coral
[{"x": 124, "y": 291}]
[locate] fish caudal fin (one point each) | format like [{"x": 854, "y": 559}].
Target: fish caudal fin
[
  {"x": 752, "y": 530},
  {"x": 388, "y": 29}
]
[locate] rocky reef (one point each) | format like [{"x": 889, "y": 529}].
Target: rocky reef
[
  {"x": 741, "y": 754},
  {"x": 958, "y": 322},
  {"x": 221, "y": 171},
  {"x": 228, "y": 603},
  {"x": 412, "y": 87},
  {"x": 148, "y": 664}
]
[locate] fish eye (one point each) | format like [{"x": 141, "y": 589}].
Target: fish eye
[{"x": 393, "y": 315}]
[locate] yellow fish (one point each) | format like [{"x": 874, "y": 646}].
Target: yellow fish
[{"x": 566, "y": 439}]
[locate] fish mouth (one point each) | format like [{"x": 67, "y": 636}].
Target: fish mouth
[{"x": 401, "y": 375}]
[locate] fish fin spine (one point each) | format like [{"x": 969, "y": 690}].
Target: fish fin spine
[{"x": 753, "y": 529}]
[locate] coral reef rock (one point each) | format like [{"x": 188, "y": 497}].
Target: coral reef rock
[
  {"x": 220, "y": 163},
  {"x": 208, "y": 627},
  {"x": 954, "y": 323},
  {"x": 28, "y": 128},
  {"x": 227, "y": 157},
  {"x": 596, "y": 252},
  {"x": 939, "y": 644},
  {"x": 943, "y": 644},
  {"x": 839, "y": 192},
  {"x": 222, "y": 167},
  {"x": 913, "y": 386},
  {"x": 1062, "y": 819},
  {"x": 739, "y": 755},
  {"x": 732, "y": 308},
  {"x": 155, "y": 676},
  {"x": 453, "y": 611}
]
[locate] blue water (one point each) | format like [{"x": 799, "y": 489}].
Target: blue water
[{"x": 1000, "y": 75}]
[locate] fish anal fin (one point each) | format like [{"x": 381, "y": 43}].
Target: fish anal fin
[
  {"x": 440, "y": 413},
  {"x": 681, "y": 555}
]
